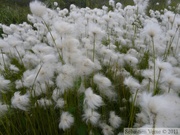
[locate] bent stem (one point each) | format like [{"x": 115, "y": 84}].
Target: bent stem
[
  {"x": 60, "y": 56},
  {"x": 19, "y": 55},
  {"x": 36, "y": 77}
]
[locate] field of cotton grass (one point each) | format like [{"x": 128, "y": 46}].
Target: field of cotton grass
[{"x": 90, "y": 71}]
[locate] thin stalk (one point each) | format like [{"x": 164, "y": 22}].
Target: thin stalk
[
  {"x": 14, "y": 127},
  {"x": 66, "y": 100},
  {"x": 49, "y": 116},
  {"x": 29, "y": 119},
  {"x": 149, "y": 84},
  {"x": 19, "y": 55},
  {"x": 36, "y": 76},
  {"x": 3, "y": 59},
  {"x": 170, "y": 44},
  {"x": 177, "y": 42},
  {"x": 107, "y": 28},
  {"x": 169, "y": 88},
  {"x": 154, "y": 68},
  {"x": 157, "y": 81},
  {"x": 154, "y": 124},
  {"x": 134, "y": 36},
  {"x": 89, "y": 128},
  {"x": 60, "y": 56},
  {"x": 164, "y": 56},
  {"x": 7, "y": 131},
  {"x": 173, "y": 21},
  {"x": 135, "y": 27},
  {"x": 94, "y": 45},
  {"x": 132, "y": 112}
]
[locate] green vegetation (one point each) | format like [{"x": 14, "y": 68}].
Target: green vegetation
[
  {"x": 11, "y": 12},
  {"x": 16, "y": 12}
]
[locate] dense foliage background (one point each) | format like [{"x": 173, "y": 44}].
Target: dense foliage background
[{"x": 15, "y": 11}]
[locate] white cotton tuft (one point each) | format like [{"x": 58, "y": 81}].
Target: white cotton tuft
[
  {"x": 92, "y": 100},
  {"x": 102, "y": 81},
  {"x": 152, "y": 29},
  {"x": 91, "y": 116},
  {"x": 37, "y": 8},
  {"x": 112, "y": 3},
  {"x": 3, "y": 84},
  {"x": 132, "y": 60},
  {"x": 104, "y": 85},
  {"x": 161, "y": 65},
  {"x": 66, "y": 121},
  {"x": 43, "y": 102},
  {"x": 66, "y": 76},
  {"x": 132, "y": 83},
  {"x": 114, "y": 120},
  {"x": 85, "y": 66},
  {"x": 3, "y": 109},
  {"x": 60, "y": 103},
  {"x": 155, "y": 109},
  {"x": 20, "y": 101},
  {"x": 63, "y": 28},
  {"x": 106, "y": 129}
]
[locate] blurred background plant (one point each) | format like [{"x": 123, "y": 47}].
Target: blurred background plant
[{"x": 15, "y": 11}]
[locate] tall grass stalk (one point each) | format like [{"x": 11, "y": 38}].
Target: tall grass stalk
[
  {"x": 132, "y": 110},
  {"x": 49, "y": 30},
  {"x": 154, "y": 67}
]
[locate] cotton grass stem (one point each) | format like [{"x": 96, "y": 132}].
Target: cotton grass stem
[
  {"x": 173, "y": 21},
  {"x": 94, "y": 46},
  {"x": 169, "y": 88},
  {"x": 154, "y": 123},
  {"x": 36, "y": 77},
  {"x": 30, "y": 121},
  {"x": 177, "y": 44},
  {"x": 149, "y": 85},
  {"x": 60, "y": 56},
  {"x": 154, "y": 68},
  {"x": 3, "y": 60},
  {"x": 19, "y": 55},
  {"x": 132, "y": 111},
  {"x": 156, "y": 87},
  {"x": 170, "y": 44},
  {"x": 7, "y": 130},
  {"x": 89, "y": 128}
]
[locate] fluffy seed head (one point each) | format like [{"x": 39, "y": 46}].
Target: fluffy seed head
[
  {"x": 91, "y": 116},
  {"x": 20, "y": 101},
  {"x": 152, "y": 29},
  {"x": 102, "y": 81},
  {"x": 114, "y": 120},
  {"x": 37, "y": 8},
  {"x": 92, "y": 100},
  {"x": 66, "y": 121}
]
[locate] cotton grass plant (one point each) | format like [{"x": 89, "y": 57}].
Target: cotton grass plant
[{"x": 90, "y": 71}]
